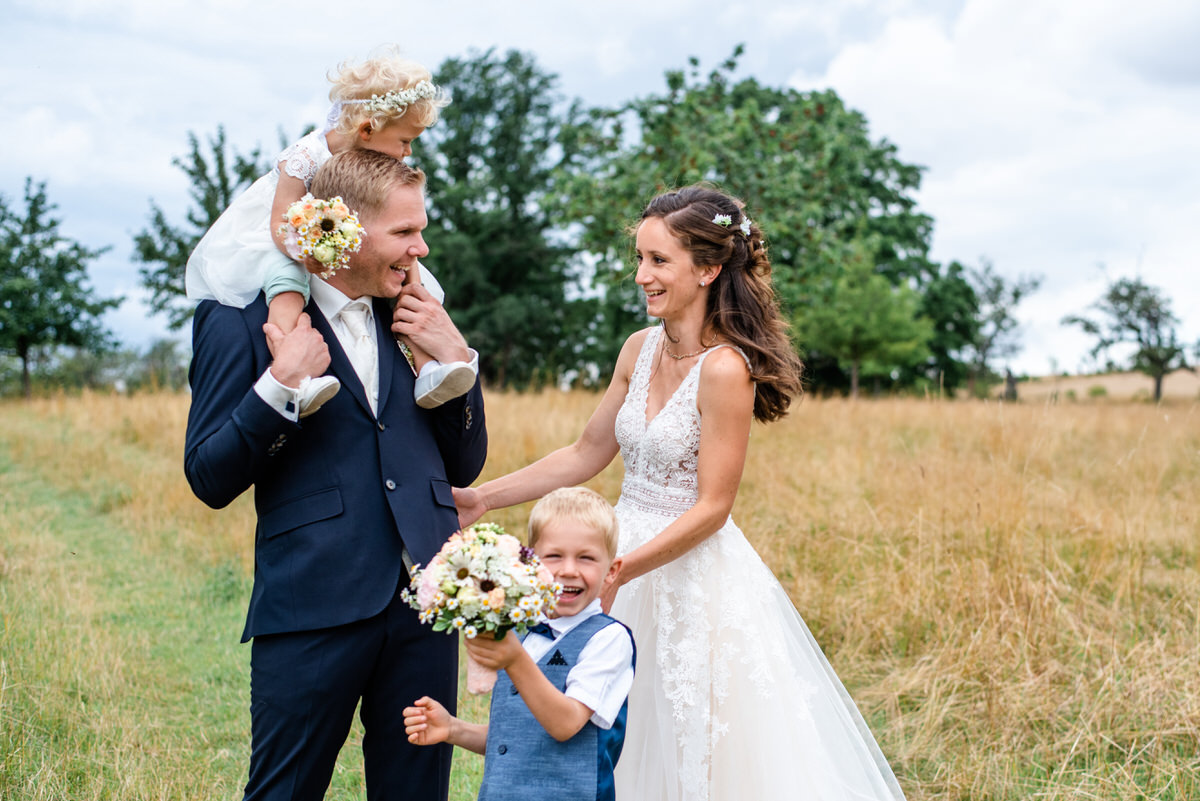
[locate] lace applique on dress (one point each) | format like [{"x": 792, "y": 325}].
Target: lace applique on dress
[{"x": 301, "y": 159}]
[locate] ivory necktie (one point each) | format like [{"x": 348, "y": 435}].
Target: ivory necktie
[{"x": 363, "y": 353}]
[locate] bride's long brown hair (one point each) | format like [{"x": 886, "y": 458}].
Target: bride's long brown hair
[{"x": 743, "y": 308}]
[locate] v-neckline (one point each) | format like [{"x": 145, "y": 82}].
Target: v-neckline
[{"x": 647, "y": 418}]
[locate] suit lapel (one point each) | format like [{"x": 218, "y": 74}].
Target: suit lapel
[{"x": 387, "y": 346}]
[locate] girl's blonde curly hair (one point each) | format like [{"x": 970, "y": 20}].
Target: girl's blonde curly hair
[{"x": 378, "y": 75}]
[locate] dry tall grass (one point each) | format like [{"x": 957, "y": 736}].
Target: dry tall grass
[{"x": 1009, "y": 591}]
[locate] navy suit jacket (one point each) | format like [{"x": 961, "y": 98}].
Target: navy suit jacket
[{"x": 339, "y": 493}]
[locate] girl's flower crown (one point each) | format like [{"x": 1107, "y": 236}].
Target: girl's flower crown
[
  {"x": 726, "y": 220},
  {"x": 397, "y": 101}
]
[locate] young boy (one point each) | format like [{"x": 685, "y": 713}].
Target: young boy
[{"x": 557, "y": 719}]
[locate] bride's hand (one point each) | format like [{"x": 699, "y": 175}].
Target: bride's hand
[{"x": 470, "y": 505}]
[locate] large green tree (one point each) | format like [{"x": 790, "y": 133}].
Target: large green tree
[
  {"x": 1132, "y": 312},
  {"x": 216, "y": 177},
  {"x": 45, "y": 299},
  {"x": 950, "y": 304},
  {"x": 805, "y": 164},
  {"x": 864, "y": 321},
  {"x": 496, "y": 246}
]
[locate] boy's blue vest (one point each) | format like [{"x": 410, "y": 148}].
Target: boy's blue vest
[{"x": 524, "y": 763}]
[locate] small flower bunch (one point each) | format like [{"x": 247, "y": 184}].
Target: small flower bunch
[
  {"x": 327, "y": 230},
  {"x": 482, "y": 580},
  {"x": 726, "y": 220}
]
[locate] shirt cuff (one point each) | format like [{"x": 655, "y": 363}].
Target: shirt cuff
[{"x": 282, "y": 399}]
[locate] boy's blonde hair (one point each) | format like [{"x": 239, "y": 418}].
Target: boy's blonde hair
[
  {"x": 579, "y": 504},
  {"x": 378, "y": 75}
]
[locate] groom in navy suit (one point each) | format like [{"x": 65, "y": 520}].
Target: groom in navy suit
[{"x": 346, "y": 498}]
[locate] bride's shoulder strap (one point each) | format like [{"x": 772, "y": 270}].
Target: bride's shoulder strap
[{"x": 733, "y": 348}]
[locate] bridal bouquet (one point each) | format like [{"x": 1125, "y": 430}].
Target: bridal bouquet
[
  {"x": 482, "y": 580},
  {"x": 325, "y": 229}
]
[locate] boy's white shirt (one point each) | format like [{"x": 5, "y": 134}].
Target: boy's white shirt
[{"x": 603, "y": 675}]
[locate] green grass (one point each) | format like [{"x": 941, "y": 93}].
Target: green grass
[
  {"x": 1009, "y": 592},
  {"x": 121, "y": 674}
]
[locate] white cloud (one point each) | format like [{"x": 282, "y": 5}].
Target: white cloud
[{"x": 1057, "y": 137}]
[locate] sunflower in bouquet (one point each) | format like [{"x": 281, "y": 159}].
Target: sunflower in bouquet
[{"x": 327, "y": 230}]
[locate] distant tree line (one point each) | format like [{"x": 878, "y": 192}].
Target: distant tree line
[{"x": 531, "y": 197}]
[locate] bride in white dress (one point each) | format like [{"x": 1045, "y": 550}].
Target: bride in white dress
[{"x": 732, "y": 698}]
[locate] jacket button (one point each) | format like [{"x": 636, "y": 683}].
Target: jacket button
[
  {"x": 390, "y": 484},
  {"x": 503, "y": 749},
  {"x": 381, "y": 425}
]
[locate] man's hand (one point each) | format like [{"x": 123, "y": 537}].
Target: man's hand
[
  {"x": 298, "y": 355},
  {"x": 423, "y": 320}
]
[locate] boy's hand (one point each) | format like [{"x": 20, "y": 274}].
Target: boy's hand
[
  {"x": 427, "y": 722},
  {"x": 495, "y": 654}
]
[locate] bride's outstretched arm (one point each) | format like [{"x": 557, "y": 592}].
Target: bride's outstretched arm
[
  {"x": 567, "y": 466},
  {"x": 726, "y": 402}
]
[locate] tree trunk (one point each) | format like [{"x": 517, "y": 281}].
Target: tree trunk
[
  {"x": 26, "y": 384},
  {"x": 854, "y": 379},
  {"x": 1158, "y": 381}
]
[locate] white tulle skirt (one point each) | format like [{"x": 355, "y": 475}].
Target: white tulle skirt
[
  {"x": 231, "y": 261},
  {"x": 733, "y": 698}
]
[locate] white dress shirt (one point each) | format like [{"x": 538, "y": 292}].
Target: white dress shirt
[
  {"x": 603, "y": 675},
  {"x": 330, "y": 301}
]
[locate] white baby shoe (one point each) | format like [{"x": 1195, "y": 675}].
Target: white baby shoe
[
  {"x": 314, "y": 392},
  {"x": 439, "y": 382}
]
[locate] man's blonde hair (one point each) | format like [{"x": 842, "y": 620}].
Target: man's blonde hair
[
  {"x": 578, "y": 504},
  {"x": 364, "y": 179}
]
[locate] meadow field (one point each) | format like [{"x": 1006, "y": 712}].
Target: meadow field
[{"x": 1010, "y": 592}]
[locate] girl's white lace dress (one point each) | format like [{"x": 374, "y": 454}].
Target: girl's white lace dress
[
  {"x": 231, "y": 261},
  {"x": 732, "y": 698}
]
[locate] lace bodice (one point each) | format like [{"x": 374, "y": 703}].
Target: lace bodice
[
  {"x": 661, "y": 455},
  {"x": 301, "y": 159}
]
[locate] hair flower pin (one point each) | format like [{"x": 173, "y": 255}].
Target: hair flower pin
[
  {"x": 723, "y": 220},
  {"x": 745, "y": 226}
]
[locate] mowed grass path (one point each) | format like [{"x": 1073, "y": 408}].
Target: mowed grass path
[{"x": 1011, "y": 593}]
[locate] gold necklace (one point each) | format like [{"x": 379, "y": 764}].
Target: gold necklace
[
  {"x": 683, "y": 356},
  {"x": 670, "y": 339}
]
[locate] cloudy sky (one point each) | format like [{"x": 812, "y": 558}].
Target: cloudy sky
[{"x": 1060, "y": 138}]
